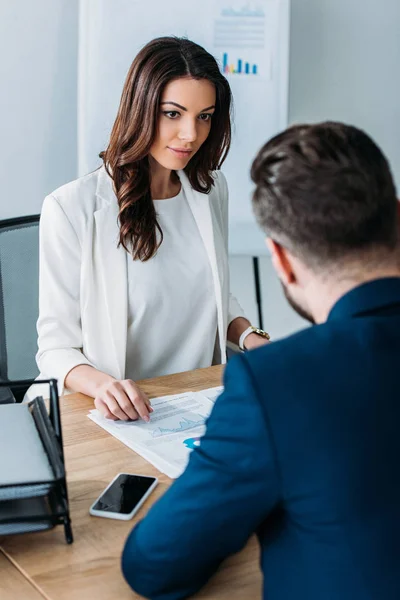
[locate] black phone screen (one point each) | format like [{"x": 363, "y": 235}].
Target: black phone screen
[{"x": 123, "y": 495}]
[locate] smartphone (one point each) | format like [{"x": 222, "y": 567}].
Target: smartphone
[{"x": 123, "y": 497}]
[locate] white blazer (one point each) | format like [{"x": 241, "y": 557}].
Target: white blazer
[{"x": 83, "y": 299}]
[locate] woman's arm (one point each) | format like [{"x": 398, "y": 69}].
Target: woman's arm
[
  {"x": 59, "y": 325},
  {"x": 237, "y": 322},
  {"x": 235, "y": 330}
]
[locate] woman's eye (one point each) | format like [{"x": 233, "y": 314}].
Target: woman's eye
[
  {"x": 205, "y": 117},
  {"x": 171, "y": 114}
]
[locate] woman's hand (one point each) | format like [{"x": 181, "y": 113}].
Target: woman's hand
[
  {"x": 122, "y": 400},
  {"x": 113, "y": 398}
]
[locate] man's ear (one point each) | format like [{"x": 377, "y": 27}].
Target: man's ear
[{"x": 281, "y": 261}]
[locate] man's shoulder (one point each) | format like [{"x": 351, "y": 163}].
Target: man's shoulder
[
  {"x": 299, "y": 355},
  {"x": 293, "y": 346},
  {"x": 334, "y": 352}
]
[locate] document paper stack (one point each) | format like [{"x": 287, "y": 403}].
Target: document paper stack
[{"x": 175, "y": 428}]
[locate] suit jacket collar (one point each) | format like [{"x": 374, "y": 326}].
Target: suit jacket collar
[
  {"x": 369, "y": 297},
  {"x": 200, "y": 207},
  {"x": 112, "y": 260},
  {"x": 104, "y": 189}
]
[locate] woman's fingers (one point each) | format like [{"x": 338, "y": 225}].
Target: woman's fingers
[
  {"x": 114, "y": 407},
  {"x": 138, "y": 399},
  {"x": 123, "y": 400},
  {"x": 122, "y": 396},
  {"x": 104, "y": 410}
]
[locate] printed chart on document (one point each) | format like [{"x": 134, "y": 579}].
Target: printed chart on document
[{"x": 175, "y": 429}]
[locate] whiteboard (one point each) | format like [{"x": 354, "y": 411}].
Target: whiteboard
[{"x": 250, "y": 41}]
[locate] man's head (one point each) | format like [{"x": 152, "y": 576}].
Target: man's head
[{"x": 326, "y": 200}]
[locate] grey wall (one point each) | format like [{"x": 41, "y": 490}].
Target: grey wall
[
  {"x": 345, "y": 65},
  {"x": 38, "y": 73}
]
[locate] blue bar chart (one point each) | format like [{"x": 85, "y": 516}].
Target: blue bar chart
[{"x": 240, "y": 68}]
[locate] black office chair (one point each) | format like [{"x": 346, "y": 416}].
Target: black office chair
[{"x": 19, "y": 299}]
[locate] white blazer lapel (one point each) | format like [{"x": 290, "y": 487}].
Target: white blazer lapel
[
  {"x": 112, "y": 265},
  {"x": 200, "y": 206}
]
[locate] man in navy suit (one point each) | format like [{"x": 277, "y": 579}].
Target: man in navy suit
[{"x": 303, "y": 446}]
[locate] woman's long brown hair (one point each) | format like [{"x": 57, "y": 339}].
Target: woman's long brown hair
[{"x": 135, "y": 129}]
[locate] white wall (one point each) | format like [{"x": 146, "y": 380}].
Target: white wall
[
  {"x": 38, "y": 70},
  {"x": 345, "y": 57}
]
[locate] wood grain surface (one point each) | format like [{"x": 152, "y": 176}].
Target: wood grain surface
[{"x": 90, "y": 567}]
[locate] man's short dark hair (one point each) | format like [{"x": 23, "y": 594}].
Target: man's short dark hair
[{"x": 326, "y": 193}]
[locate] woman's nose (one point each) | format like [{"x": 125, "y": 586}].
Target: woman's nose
[{"x": 188, "y": 132}]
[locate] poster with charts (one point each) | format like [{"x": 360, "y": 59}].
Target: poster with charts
[{"x": 250, "y": 41}]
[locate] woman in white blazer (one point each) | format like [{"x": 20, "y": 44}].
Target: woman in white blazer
[{"x": 134, "y": 278}]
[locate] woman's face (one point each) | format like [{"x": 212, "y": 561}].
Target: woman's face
[{"x": 186, "y": 110}]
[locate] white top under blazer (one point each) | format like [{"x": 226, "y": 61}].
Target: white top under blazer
[
  {"x": 83, "y": 289},
  {"x": 172, "y": 313}
]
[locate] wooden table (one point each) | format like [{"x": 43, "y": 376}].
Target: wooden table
[
  {"x": 43, "y": 564},
  {"x": 15, "y": 585}
]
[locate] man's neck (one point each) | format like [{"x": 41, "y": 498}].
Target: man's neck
[{"x": 323, "y": 295}]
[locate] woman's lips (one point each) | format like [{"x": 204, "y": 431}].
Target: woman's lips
[{"x": 180, "y": 152}]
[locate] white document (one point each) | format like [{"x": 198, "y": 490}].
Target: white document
[{"x": 174, "y": 430}]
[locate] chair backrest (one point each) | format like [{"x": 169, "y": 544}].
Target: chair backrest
[{"x": 19, "y": 297}]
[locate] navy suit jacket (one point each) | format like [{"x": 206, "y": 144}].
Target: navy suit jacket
[{"x": 303, "y": 448}]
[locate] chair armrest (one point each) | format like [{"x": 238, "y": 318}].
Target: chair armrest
[{"x": 6, "y": 396}]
